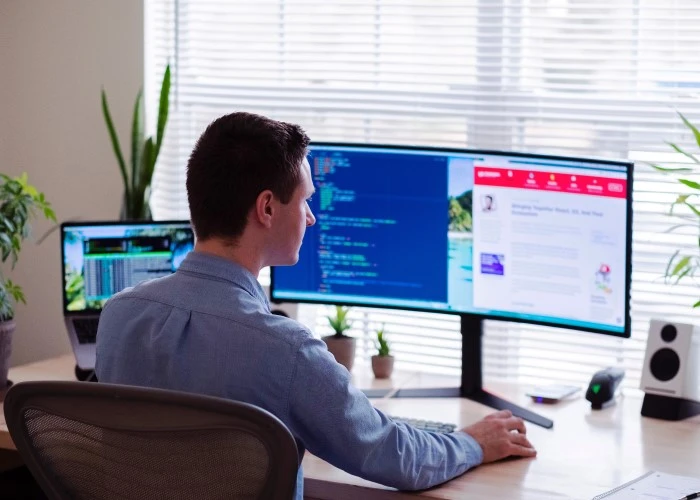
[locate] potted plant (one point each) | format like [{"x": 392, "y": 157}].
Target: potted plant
[
  {"x": 144, "y": 153},
  {"x": 342, "y": 346},
  {"x": 686, "y": 265},
  {"x": 19, "y": 202},
  {"x": 383, "y": 361}
]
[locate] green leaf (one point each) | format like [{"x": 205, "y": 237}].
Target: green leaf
[
  {"x": 163, "y": 106},
  {"x": 147, "y": 166},
  {"x": 690, "y": 184},
  {"x": 681, "y": 264},
  {"x": 694, "y": 209},
  {"x": 136, "y": 139},
  {"x": 688, "y": 270},
  {"x": 683, "y": 152},
  {"x": 667, "y": 169},
  {"x": 5, "y": 241},
  {"x": 697, "y": 304},
  {"x": 15, "y": 291},
  {"x": 49, "y": 213},
  {"x": 670, "y": 263},
  {"x": 115, "y": 140},
  {"x": 381, "y": 343},
  {"x": 692, "y": 127},
  {"x": 339, "y": 322},
  {"x": 678, "y": 226}
]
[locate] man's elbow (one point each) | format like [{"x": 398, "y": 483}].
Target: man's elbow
[{"x": 421, "y": 481}]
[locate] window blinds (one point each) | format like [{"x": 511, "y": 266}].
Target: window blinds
[{"x": 570, "y": 77}]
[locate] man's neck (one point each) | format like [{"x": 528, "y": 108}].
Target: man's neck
[{"x": 238, "y": 254}]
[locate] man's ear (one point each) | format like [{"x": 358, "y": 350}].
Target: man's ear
[{"x": 264, "y": 208}]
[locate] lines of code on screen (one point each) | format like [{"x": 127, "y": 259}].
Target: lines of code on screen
[{"x": 381, "y": 227}]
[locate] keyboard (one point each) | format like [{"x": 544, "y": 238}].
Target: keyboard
[
  {"x": 426, "y": 425},
  {"x": 86, "y": 329}
]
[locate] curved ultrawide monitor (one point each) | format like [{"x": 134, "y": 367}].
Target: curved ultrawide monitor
[{"x": 517, "y": 237}]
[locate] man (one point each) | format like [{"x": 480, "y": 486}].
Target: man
[
  {"x": 488, "y": 203},
  {"x": 208, "y": 328}
]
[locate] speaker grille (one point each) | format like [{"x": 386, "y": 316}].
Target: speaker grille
[
  {"x": 668, "y": 333},
  {"x": 664, "y": 364}
]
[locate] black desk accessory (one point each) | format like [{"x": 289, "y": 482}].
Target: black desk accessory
[{"x": 603, "y": 386}]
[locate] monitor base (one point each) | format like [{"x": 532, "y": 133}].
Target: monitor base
[{"x": 471, "y": 381}]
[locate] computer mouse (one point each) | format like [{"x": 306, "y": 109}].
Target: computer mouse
[{"x": 603, "y": 386}]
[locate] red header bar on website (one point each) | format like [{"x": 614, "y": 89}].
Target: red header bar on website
[{"x": 551, "y": 181}]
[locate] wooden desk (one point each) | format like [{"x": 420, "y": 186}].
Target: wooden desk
[
  {"x": 586, "y": 453},
  {"x": 60, "y": 368}
]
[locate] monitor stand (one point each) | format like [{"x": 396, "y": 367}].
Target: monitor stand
[{"x": 471, "y": 388}]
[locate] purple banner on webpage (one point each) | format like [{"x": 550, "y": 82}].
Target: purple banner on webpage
[{"x": 492, "y": 263}]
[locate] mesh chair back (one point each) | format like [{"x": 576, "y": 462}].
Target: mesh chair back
[{"x": 103, "y": 441}]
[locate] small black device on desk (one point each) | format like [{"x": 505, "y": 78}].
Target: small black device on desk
[{"x": 603, "y": 386}]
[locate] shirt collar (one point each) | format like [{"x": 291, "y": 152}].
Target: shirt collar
[{"x": 224, "y": 269}]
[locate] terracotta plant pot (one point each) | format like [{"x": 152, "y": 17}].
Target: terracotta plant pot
[
  {"x": 343, "y": 349},
  {"x": 382, "y": 366},
  {"x": 7, "y": 328}
]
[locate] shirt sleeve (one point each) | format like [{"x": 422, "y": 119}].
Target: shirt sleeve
[{"x": 336, "y": 422}]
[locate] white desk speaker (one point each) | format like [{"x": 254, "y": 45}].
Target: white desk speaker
[{"x": 671, "y": 371}]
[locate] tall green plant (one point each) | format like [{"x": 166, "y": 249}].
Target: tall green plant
[
  {"x": 19, "y": 202},
  {"x": 144, "y": 152},
  {"x": 339, "y": 322},
  {"x": 686, "y": 265}
]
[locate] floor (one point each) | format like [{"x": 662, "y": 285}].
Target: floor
[{"x": 16, "y": 482}]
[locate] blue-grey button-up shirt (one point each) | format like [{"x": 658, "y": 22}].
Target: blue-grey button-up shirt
[{"x": 208, "y": 329}]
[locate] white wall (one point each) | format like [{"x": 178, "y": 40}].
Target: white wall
[{"x": 54, "y": 57}]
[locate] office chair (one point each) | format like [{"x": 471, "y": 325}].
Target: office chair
[{"x": 107, "y": 441}]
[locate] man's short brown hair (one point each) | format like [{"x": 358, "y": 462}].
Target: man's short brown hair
[{"x": 237, "y": 157}]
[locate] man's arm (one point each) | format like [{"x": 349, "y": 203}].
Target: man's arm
[{"x": 337, "y": 423}]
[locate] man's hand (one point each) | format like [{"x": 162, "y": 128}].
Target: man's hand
[{"x": 501, "y": 435}]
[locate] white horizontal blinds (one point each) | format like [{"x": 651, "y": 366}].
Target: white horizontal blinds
[
  {"x": 420, "y": 341},
  {"x": 568, "y": 77},
  {"x": 168, "y": 197}
]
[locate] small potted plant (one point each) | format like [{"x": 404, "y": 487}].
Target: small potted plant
[
  {"x": 18, "y": 203},
  {"x": 342, "y": 346},
  {"x": 383, "y": 361}
]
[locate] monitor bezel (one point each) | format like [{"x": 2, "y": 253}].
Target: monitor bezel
[
  {"x": 628, "y": 165},
  {"x": 106, "y": 223}
]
